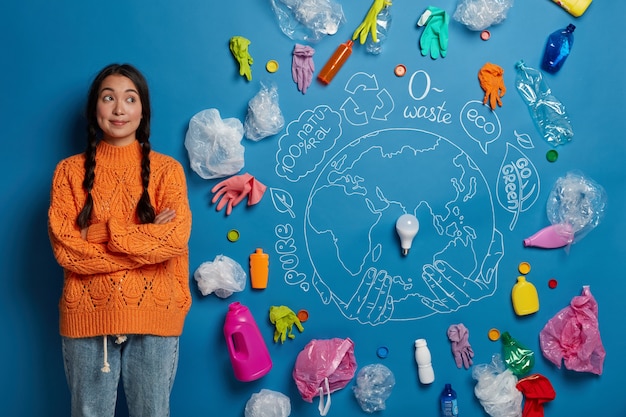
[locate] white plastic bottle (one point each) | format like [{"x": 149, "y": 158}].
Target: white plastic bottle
[{"x": 423, "y": 359}]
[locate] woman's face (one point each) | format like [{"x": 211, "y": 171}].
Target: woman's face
[{"x": 119, "y": 110}]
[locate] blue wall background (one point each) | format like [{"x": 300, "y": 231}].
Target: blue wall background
[{"x": 52, "y": 51}]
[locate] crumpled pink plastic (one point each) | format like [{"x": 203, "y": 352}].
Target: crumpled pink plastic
[
  {"x": 573, "y": 336},
  {"x": 324, "y": 358}
]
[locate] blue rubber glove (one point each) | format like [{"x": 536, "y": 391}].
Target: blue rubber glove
[
  {"x": 302, "y": 66},
  {"x": 434, "y": 38}
]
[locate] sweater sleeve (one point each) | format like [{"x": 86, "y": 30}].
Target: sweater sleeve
[
  {"x": 155, "y": 243},
  {"x": 71, "y": 251}
]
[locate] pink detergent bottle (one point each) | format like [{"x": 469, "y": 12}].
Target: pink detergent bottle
[
  {"x": 555, "y": 236},
  {"x": 248, "y": 352}
]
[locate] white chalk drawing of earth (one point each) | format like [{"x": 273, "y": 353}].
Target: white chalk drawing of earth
[{"x": 350, "y": 228}]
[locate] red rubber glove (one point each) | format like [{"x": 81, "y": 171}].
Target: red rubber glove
[{"x": 234, "y": 189}]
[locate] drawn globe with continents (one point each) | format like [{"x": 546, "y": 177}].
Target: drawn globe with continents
[{"x": 352, "y": 242}]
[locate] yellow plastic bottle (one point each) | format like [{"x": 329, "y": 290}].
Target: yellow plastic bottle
[
  {"x": 259, "y": 269},
  {"x": 524, "y": 297},
  {"x": 574, "y": 7}
]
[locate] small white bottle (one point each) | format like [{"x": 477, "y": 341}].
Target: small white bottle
[{"x": 423, "y": 359}]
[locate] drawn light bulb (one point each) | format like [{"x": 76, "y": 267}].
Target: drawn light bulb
[{"x": 407, "y": 226}]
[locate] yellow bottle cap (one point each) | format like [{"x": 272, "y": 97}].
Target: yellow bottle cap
[
  {"x": 233, "y": 235},
  {"x": 271, "y": 66},
  {"x": 494, "y": 334},
  {"x": 523, "y": 268}
]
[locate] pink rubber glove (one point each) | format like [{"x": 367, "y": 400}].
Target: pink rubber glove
[
  {"x": 234, "y": 189},
  {"x": 302, "y": 66},
  {"x": 461, "y": 349}
]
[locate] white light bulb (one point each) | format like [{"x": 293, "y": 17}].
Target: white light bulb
[{"x": 407, "y": 226}]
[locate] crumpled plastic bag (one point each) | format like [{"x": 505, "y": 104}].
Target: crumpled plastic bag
[
  {"x": 496, "y": 389},
  {"x": 322, "y": 367},
  {"x": 578, "y": 201},
  {"x": 373, "y": 386},
  {"x": 480, "y": 14},
  {"x": 214, "y": 145},
  {"x": 268, "y": 403},
  {"x": 572, "y": 336},
  {"x": 308, "y": 20},
  {"x": 224, "y": 276},
  {"x": 264, "y": 117}
]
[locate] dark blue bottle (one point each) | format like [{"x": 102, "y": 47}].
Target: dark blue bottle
[
  {"x": 558, "y": 48},
  {"x": 449, "y": 407}
]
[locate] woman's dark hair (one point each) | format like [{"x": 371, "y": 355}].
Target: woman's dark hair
[{"x": 145, "y": 211}]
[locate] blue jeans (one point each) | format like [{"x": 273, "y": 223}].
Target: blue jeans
[{"x": 146, "y": 364}]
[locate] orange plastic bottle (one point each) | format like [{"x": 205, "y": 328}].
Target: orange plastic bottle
[
  {"x": 259, "y": 269},
  {"x": 336, "y": 61}
]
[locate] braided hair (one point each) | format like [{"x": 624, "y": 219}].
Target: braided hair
[{"x": 145, "y": 211}]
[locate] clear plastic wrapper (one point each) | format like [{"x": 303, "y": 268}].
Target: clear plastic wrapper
[
  {"x": 268, "y": 403},
  {"x": 578, "y": 201},
  {"x": 496, "y": 389},
  {"x": 373, "y": 386},
  {"x": 308, "y": 20},
  {"x": 547, "y": 112},
  {"x": 264, "y": 116},
  {"x": 480, "y": 14},
  {"x": 214, "y": 145},
  {"x": 223, "y": 276}
]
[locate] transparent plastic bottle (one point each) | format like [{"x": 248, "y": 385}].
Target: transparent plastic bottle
[
  {"x": 447, "y": 399},
  {"x": 545, "y": 109},
  {"x": 383, "y": 22},
  {"x": 558, "y": 48}
]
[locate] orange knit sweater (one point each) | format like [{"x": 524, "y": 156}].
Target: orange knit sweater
[{"x": 126, "y": 277}]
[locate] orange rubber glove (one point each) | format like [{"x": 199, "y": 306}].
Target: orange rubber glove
[{"x": 492, "y": 83}]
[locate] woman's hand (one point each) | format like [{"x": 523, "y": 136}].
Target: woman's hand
[{"x": 164, "y": 216}]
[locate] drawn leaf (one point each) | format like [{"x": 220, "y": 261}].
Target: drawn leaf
[
  {"x": 283, "y": 202},
  {"x": 518, "y": 183},
  {"x": 524, "y": 140}
]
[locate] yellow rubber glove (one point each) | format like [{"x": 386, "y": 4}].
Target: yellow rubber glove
[
  {"x": 492, "y": 83},
  {"x": 284, "y": 319},
  {"x": 369, "y": 23},
  {"x": 239, "y": 48}
]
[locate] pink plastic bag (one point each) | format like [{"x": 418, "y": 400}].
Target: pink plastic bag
[
  {"x": 573, "y": 336},
  {"x": 322, "y": 367}
]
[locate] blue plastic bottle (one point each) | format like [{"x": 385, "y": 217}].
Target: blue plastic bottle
[
  {"x": 558, "y": 48},
  {"x": 449, "y": 407}
]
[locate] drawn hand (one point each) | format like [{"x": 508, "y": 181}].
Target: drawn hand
[
  {"x": 369, "y": 23},
  {"x": 435, "y": 35},
  {"x": 451, "y": 290},
  {"x": 164, "y": 216},
  {"x": 372, "y": 302}
]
